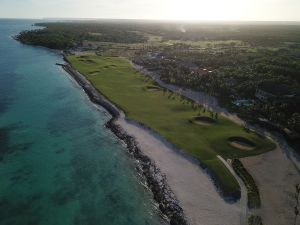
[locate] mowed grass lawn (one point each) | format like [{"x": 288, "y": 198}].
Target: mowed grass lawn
[{"x": 116, "y": 79}]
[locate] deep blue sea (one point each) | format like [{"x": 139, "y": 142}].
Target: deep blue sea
[{"x": 58, "y": 164}]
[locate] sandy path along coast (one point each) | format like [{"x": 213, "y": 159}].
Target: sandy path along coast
[{"x": 192, "y": 186}]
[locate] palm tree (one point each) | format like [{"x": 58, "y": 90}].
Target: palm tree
[{"x": 216, "y": 116}]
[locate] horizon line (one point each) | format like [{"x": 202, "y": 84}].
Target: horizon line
[{"x": 148, "y": 19}]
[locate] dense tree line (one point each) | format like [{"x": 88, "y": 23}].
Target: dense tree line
[
  {"x": 66, "y": 35},
  {"x": 49, "y": 39},
  {"x": 256, "y": 35},
  {"x": 237, "y": 74}
]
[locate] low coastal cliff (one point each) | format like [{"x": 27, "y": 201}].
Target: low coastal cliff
[{"x": 156, "y": 181}]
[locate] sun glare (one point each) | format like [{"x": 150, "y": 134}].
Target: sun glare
[{"x": 204, "y": 10}]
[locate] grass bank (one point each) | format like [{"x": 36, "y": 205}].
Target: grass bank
[
  {"x": 255, "y": 220},
  {"x": 252, "y": 190},
  {"x": 168, "y": 114}
]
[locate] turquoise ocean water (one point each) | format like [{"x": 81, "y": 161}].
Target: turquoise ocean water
[{"x": 58, "y": 164}]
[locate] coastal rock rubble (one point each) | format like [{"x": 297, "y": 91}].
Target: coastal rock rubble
[
  {"x": 156, "y": 181},
  {"x": 162, "y": 194}
]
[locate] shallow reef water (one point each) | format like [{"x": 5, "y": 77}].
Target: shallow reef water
[{"x": 59, "y": 165}]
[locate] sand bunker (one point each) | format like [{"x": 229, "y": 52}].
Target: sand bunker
[
  {"x": 153, "y": 88},
  {"x": 242, "y": 143},
  {"x": 203, "y": 120},
  {"x": 89, "y": 61},
  {"x": 109, "y": 66},
  {"x": 95, "y": 72}
]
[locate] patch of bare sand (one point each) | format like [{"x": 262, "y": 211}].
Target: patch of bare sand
[
  {"x": 241, "y": 146},
  {"x": 276, "y": 177},
  {"x": 193, "y": 188}
]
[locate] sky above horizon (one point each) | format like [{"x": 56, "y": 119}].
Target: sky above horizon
[{"x": 242, "y": 10}]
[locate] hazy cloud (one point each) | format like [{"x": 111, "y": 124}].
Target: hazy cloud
[{"x": 154, "y": 9}]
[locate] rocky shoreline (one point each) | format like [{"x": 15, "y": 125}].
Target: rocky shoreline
[{"x": 156, "y": 181}]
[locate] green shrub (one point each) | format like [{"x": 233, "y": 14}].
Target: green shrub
[{"x": 252, "y": 190}]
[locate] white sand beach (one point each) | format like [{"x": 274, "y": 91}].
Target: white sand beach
[{"x": 194, "y": 189}]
